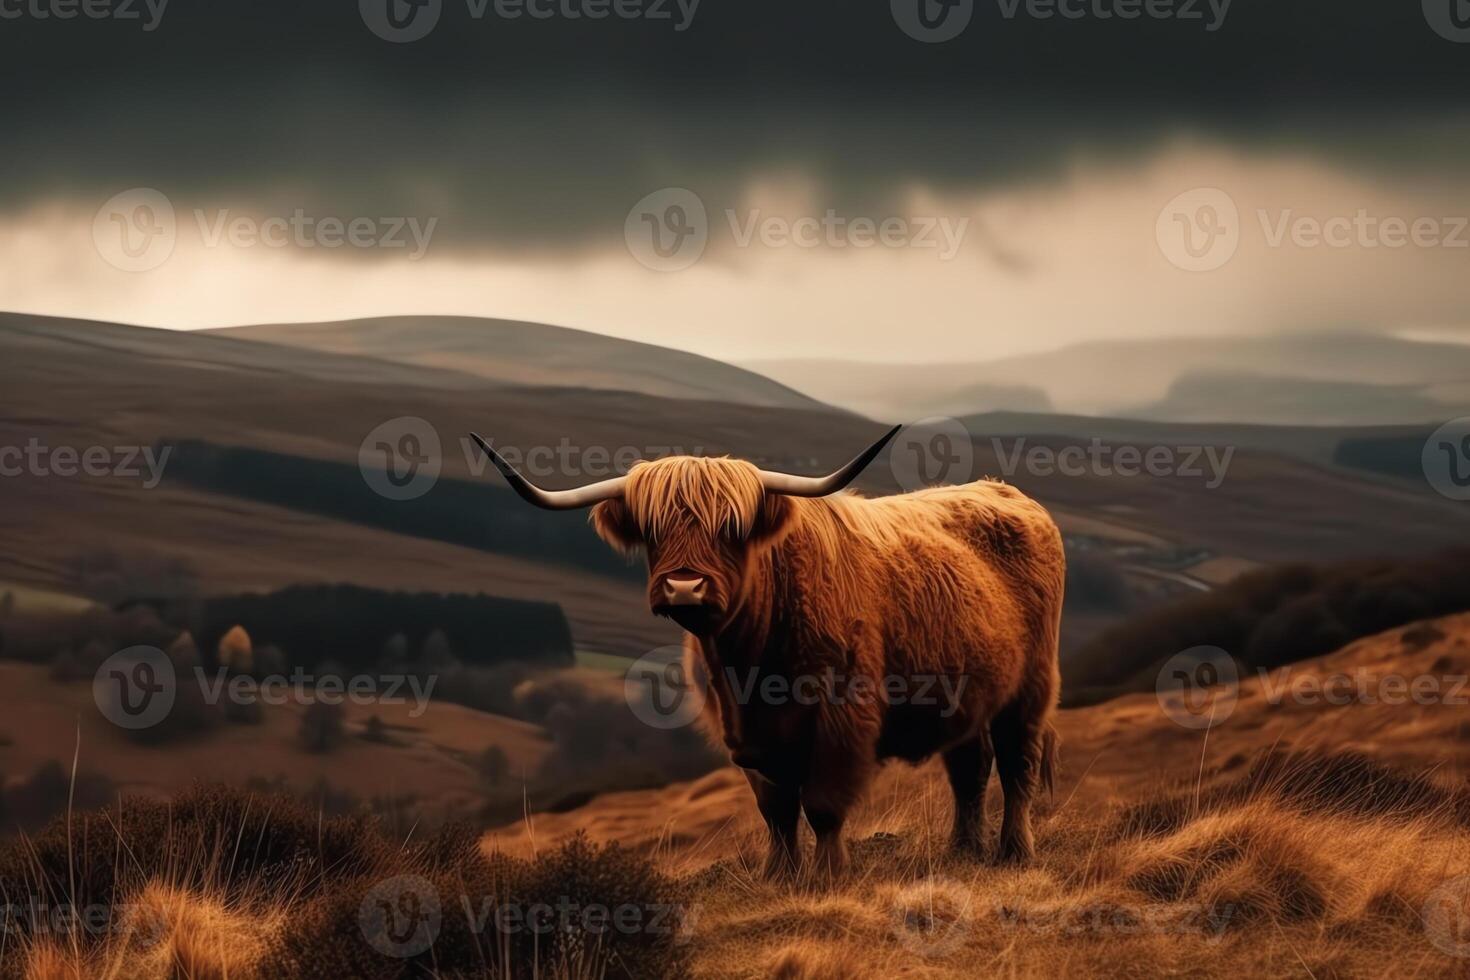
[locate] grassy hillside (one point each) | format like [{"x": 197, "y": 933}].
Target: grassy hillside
[
  {"x": 1294, "y": 837},
  {"x": 510, "y": 352},
  {"x": 111, "y": 386}
]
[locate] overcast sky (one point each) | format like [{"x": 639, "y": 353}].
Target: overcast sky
[{"x": 852, "y": 189}]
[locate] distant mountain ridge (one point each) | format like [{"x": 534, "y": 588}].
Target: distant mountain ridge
[{"x": 1316, "y": 378}]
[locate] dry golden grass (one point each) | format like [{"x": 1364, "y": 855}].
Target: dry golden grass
[
  {"x": 168, "y": 933},
  {"x": 1291, "y": 840},
  {"x": 1263, "y": 887},
  {"x": 1321, "y": 842}
]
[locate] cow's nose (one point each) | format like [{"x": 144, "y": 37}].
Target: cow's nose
[{"x": 685, "y": 591}]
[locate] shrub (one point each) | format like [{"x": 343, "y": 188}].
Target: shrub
[
  {"x": 321, "y": 726},
  {"x": 35, "y": 801},
  {"x": 375, "y": 731},
  {"x": 1095, "y": 582},
  {"x": 493, "y": 766},
  {"x": 1270, "y": 617}
]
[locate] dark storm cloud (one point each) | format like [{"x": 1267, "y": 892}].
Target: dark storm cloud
[{"x": 544, "y": 131}]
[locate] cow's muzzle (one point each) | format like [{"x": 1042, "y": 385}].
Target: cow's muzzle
[
  {"x": 687, "y": 599},
  {"x": 685, "y": 591}
]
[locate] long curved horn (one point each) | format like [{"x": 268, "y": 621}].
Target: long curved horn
[
  {"x": 552, "y": 499},
  {"x": 821, "y": 486}
]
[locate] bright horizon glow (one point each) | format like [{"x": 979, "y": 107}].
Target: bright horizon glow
[{"x": 1040, "y": 268}]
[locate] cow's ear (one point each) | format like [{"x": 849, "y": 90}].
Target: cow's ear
[
  {"x": 773, "y": 520},
  {"x": 614, "y": 524}
]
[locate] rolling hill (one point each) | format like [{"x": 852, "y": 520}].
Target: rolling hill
[
  {"x": 510, "y": 352},
  {"x": 308, "y": 516}
]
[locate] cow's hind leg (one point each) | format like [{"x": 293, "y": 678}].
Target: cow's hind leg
[
  {"x": 1024, "y": 742},
  {"x": 780, "y": 806},
  {"x": 968, "y": 765}
]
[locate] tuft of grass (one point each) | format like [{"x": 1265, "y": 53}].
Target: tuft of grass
[{"x": 222, "y": 883}]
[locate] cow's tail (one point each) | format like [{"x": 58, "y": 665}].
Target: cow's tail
[{"x": 1050, "y": 743}]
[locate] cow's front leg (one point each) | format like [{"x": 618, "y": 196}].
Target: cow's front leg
[
  {"x": 831, "y": 857},
  {"x": 780, "y": 806},
  {"x": 833, "y": 790}
]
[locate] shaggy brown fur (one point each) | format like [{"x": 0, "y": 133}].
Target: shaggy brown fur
[{"x": 933, "y": 615}]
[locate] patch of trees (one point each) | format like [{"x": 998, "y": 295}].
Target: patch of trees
[
  {"x": 351, "y": 626},
  {"x": 475, "y": 514},
  {"x": 1270, "y": 617}
]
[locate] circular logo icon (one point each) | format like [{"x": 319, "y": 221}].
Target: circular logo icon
[
  {"x": 400, "y": 21},
  {"x": 1446, "y": 459},
  {"x": 135, "y": 231},
  {"x": 1197, "y": 688},
  {"x": 1450, "y": 19},
  {"x": 932, "y": 917},
  {"x": 401, "y": 917},
  {"x": 400, "y": 459},
  {"x": 1446, "y": 916},
  {"x": 932, "y": 21},
  {"x": 661, "y": 693},
  {"x": 667, "y": 230},
  {"x": 1199, "y": 230},
  {"x": 932, "y": 452},
  {"x": 135, "y": 688}
]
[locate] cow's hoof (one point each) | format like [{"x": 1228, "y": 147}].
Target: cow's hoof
[
  {"x": 1014, "y": 856},
  {"x": 779, "y": 868},
  {"x": 968, "y": 847}
]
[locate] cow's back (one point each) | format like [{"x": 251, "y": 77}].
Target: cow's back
[{"x": 971, "y": 580}]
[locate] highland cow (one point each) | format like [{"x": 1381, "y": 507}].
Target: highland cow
[{"x": 784, "y": 585}]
